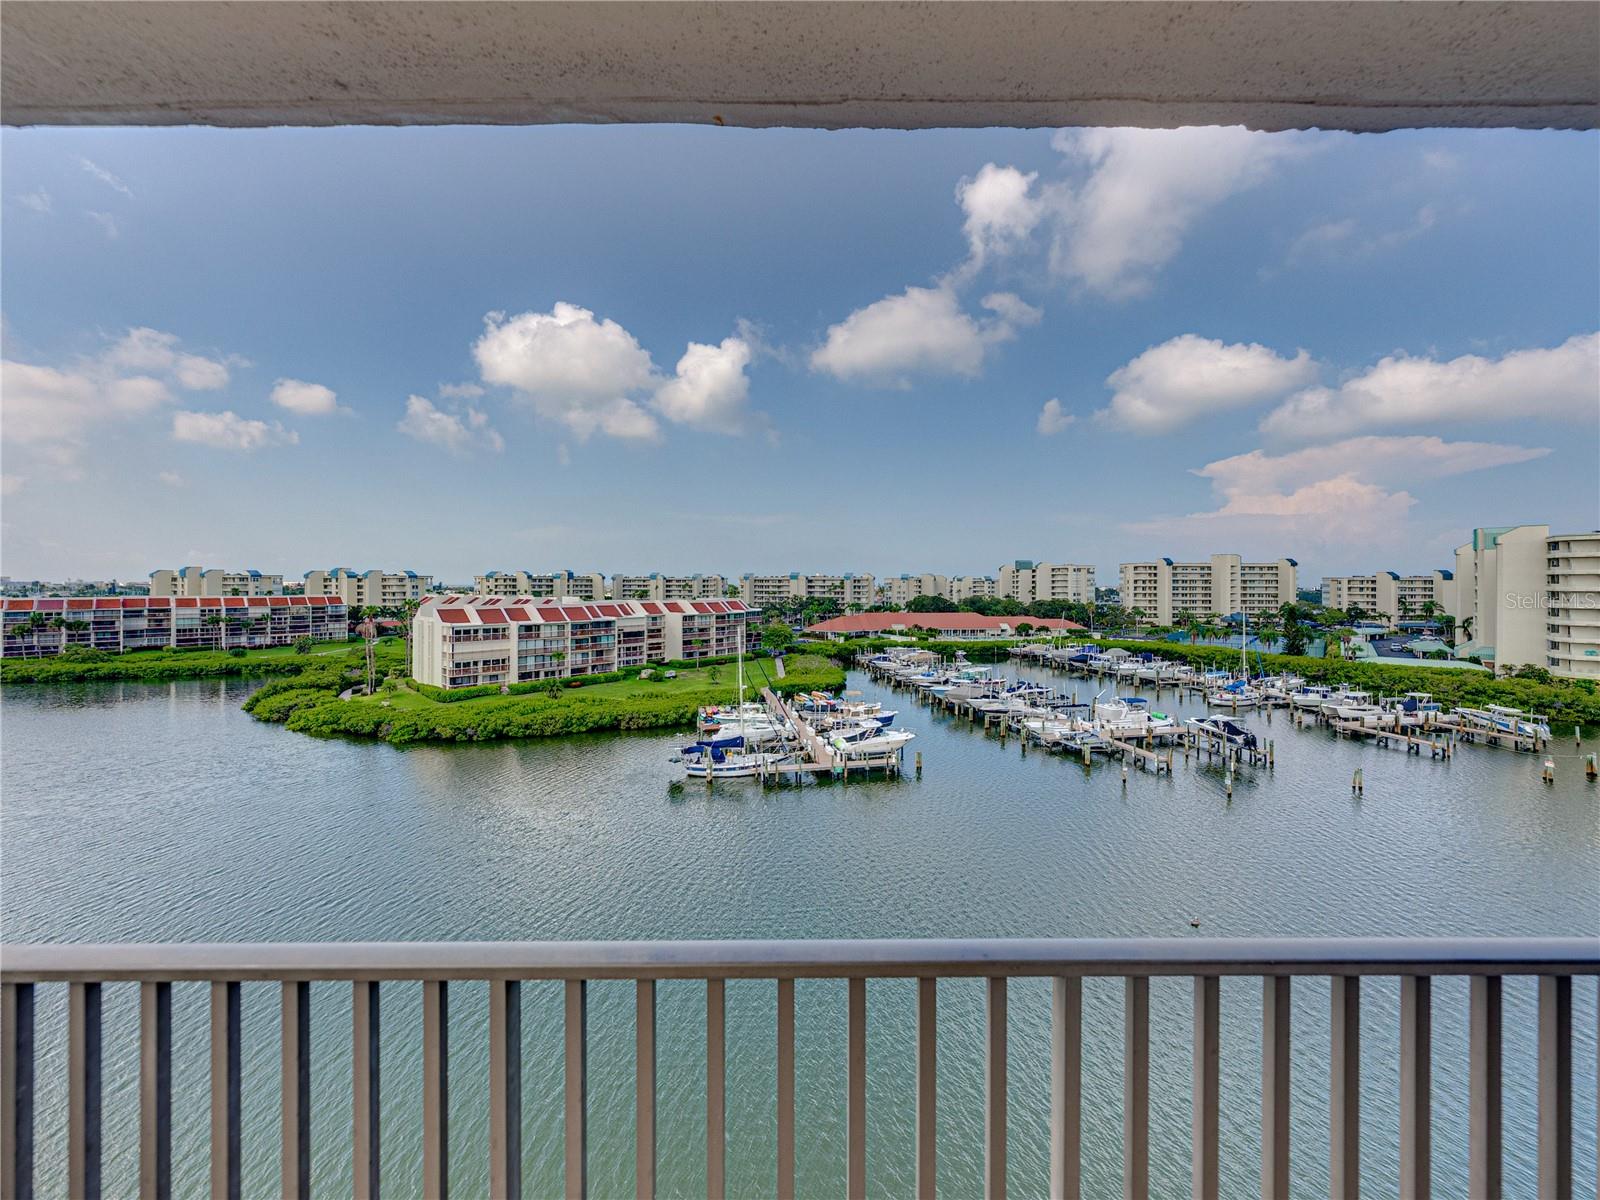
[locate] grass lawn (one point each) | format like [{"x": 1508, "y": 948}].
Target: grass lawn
[{"x": 692, "y": 682}]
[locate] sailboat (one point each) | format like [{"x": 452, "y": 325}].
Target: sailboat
[{"x": 726, "y": 753}]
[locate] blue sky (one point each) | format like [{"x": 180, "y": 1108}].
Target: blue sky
[{"x": 682, "y": 349}]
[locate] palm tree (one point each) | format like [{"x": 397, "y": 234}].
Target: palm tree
[{"x": 214, "y": 620}]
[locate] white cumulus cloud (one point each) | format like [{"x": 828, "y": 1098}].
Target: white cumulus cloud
[
  {"x": 307, "y": 399},
  {"x": 146, "y": 349},
  {"x": 39, "y": 201},
  {"x": 106, "y": 177},
  {"x": 709, "y": 388},
  {"x": 1053, "y": 419},
  {"x": 1346, "y": 493},
  {"x": 1001, "y": 210},
  {"x": 229, "y": 431},
  {"x": 52, "y": 411},
  {"x": 1143, "y": 191},
  {"x": 459, "y": 433},
  {"x": 921, "y": 331},
  {"x": 1189, "y": 377},
  {"x": 1558, "y": 383},
  {"x": 574, "y": 369}
]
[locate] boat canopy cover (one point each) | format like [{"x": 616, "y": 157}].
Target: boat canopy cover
[{"x": 716, "y": 746}]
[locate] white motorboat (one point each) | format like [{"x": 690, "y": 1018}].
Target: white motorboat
[
  {"x": 868, "y": 741},
  {"x": 1220, "y": 729}
]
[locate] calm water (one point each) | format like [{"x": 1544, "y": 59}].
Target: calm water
[{"x": 136, "y": 812}]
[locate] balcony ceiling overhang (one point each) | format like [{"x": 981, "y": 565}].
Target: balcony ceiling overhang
[{"x": 1334, "y": 65}]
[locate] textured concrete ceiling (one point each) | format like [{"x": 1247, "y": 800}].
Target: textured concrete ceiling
[{"x": 1360, "y": 66}]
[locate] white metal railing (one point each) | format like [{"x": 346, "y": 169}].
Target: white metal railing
[{"x": 503, "y": 966}]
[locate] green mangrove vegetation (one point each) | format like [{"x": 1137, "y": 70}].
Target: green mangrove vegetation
[
  {"x": 79, "y": 663},
  {"x": 403, "y": 713}
]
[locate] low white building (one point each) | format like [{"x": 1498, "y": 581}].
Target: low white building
[
  {"x": 1026, "y": 581},
  {"x": 467, "y": 641},
  {"x": 758, "y": 591},
  {"x": 656, "y": 586},
  {"x": 902, "y": 589},
  {"x": 370, "y": 589},
  {"x": 1398, "y": 597},
  {"x": 198, "y": 581},
  {"x": 581, "y": 586}
]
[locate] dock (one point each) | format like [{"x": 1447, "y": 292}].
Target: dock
[{"x": 819, "y": 757}]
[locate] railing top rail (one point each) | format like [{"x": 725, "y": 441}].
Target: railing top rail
[{"x": 839, "y": 958}]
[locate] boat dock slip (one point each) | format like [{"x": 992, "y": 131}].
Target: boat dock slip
[
  {"x": 1147, "y": 758},
  {"x": 1386, "y": 736},
  {"x": 819, "y": 756}
]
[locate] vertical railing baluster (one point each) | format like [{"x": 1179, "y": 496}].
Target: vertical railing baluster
[
  {"x": 994, "y": 1093},
  {"x": 927, "y": 1088},
  {"x": 1416, "y": 1087},
  {"x": 1484, "y": 1139},
  {"x": 1136, "y": 1088},
  {"x": 644, "y": 1070},
  {"x": 1344, "y": 1100},
  {"x": 1206, "y": 1085},
  {"x": 16, "y": 1090},
  {"x": 1555, "y": 1087},
  {"x": 1275, "y": 997},
  {"x": 155, "y": 1091},
  {"x": 856, "y": 1091},
  {"x": 1066, "y": 1088},
  {"x": 786, "y": 1089},
  {"x": 295, "y": 1151},
  {"x": 364, "y": 1073},
  {"x": 716, "y": 1088},
  {"x": 505, "y": 1088},
  {"x": 83, "y": 1091},
  {"x": 435, "y": 1089},
  {"x": 576, "y": 1091},
  {"x": 225, "y": 1068}
]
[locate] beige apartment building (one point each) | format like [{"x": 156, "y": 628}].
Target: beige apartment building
[
  {"x": 1572, "y": 620},
  {"x": 1223, "y": 585},
  {"x": 973, "y": 587},
  {"x": 1525, "y": 596},
  {"x": 1027, "y": 581},
  {"x": 758, "y": 591},
  {"x": 591, "y": 586},
  {"x": 467, "y": 641},
  {"x": 198, "y": 581},
  {"x": 1398, "y": 597},
  {"x": 902, "y": 589},
  {"x": 370, "y": 589},
  {"x": 656, "y": 586}
]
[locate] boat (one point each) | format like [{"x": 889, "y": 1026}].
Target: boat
[
  {"x": 727, "y": 758},
  {"x": 1501, "y": 719},
  {"x": 1235, "y": 695},
  {"x": 1310, "y": 697},
  {"x": 1220, "y": 728},
  {"x": 868, "y": 740},
  {"x": 1127, "y": 716},
  {"x": 1357, "y": 707}
]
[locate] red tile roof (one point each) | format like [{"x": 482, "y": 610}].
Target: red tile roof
[
  {"x": 947, "y": 621},
  {"x": 453, "y": 616},
  {"x": 80, "y": 604}
]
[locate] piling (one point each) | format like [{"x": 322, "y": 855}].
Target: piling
[
  {"x": 919, "y": 764},
  {"x": 1590, "y": 771},
  {"x": 1271, "y": 754},
  {"x": 1357, "y": 788},
  {"x": 1577, "y": 737},
  {"x": 1549, "y": 773}
]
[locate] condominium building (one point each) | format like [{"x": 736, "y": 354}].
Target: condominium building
[
  {"x": 38, "y": 627},
  {"x": 465, "y": 641},
  {"x": 972, "y": 587},
  {"x": 370, "y": 589},
  {"x": 1223, "y": 585},
  {"x": 1525, "y": 597},
  {"x": 1399, "y": 597},
  {"x": 1572, "y": 621},
  {"x": 902, "y": 589},
  {"x": 758, "y": 591},
  {"x": 656, "y": 586},
  {"x": 590, "y": 586},
  {"x": 198, "y": 581},
  {"x": 1027, "y": 581}
]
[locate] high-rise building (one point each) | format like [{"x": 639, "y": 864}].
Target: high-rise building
[
  {"x": 1398, "y": 597},
  {"x": 1027, "y": 581},
  {"x": 370, "y": 589},
  {"x": 1222, "y": 585},
  {"x": 762, "y": 590},
  {"x": 902, "y": 589},
  {"x": 656, "y": 586},
  {"x": 1524, "y": 596},
  {"x": 587, "y": 586}
]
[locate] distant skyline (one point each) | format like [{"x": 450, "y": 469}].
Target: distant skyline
[{"x": 634, "y": 349}]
